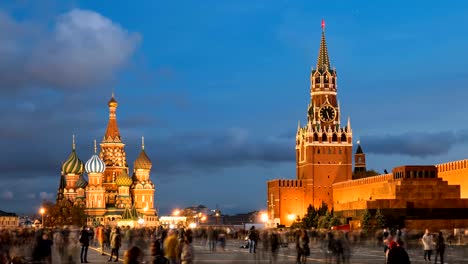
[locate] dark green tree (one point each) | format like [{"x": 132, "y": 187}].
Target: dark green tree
[
  {"x": 324, "y": 221},
  {"x": 309, "y": 219},
  {"x": 323, "y": 210},
  {"x": 334, "y": 221},
  {"x": 366, "y": 221},
  {"x": 380, "y": 219}
]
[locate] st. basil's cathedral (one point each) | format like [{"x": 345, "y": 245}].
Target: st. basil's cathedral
[{"x": 110, "y": 196}]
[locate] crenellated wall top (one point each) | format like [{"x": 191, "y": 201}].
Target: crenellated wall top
[
  {"x": 451, "y": 166},
  {"x": 368, "y": 180}
]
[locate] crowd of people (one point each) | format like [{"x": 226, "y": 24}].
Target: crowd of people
[{"x": 174, "y": 246}]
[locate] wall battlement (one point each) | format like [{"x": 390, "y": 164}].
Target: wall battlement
[
  {"x": 453, "y": 165},
  {"x": 368, "y": 180},
  {"x": 286, "y": 183}
]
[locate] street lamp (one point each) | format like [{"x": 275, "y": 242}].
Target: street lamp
[
  {"x": 217, "y": 215},
  {"x": 42, "y": 211},
  {"x": 176, "y": 212},
  {"x": 141, "y": 221},
  {"x": 264, "y": 217}
]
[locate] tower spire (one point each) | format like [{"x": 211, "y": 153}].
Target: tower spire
[
  {"x": 73, "y": 142},
  {"x": 323, "y": 61},
  {"x": 142, "y": 143},
  {"x": 95, "y": 148},
  {"x": 112, "y": 131}
]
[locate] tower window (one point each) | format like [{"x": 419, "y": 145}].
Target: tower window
[{"x": 318, "y": 151}]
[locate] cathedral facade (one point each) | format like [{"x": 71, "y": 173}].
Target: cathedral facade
[{"x": 110, "y": 195}]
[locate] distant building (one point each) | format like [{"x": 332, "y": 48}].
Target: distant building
[
  {"x": 109, "y": 195},
  {"x": 412, "y": 196},
  {"x": 8, "y": 220}
]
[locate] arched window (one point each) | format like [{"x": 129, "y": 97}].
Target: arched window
[
  {"x": 334, "y": 137},
  {"x": 315, "y": 137},
  {"x": 343, "y": 137},
  {"x": 324, "y": 137}
]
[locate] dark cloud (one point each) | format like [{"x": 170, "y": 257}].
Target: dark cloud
[
  {"x": 220, "y": 149},
  {"x": 416, "y": 144},
  {"x": 81, "y": 49}
]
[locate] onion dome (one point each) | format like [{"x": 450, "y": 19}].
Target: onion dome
[
  {"x": 142, "y": 162},
  {"x": 81, "y": 182},
  {"x": 73, "y": 165},
  {"x": 95, "y": 164},
  {"x": 123, "y": 179},
  {"x": 112, "y": 101}
]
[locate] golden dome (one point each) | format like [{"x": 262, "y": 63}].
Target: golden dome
[
  {"x": 123, "y": 179},
  {"x": 112, "y": 102},
  {"x": 142, "y": 162}
]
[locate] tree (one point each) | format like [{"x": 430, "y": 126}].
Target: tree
[
  {"x": 323, "y": 210},
  {"x": 324, "y": 221},
  {"x": 380, "y": 219},
  {"x": 334, "y": 221},
  {"x": 309, "y": 219},
  {"x": 365, "y": 223}
]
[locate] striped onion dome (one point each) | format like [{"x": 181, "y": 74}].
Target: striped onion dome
[
  {"x": 81, "y": 182},
  {"x": 142, "y": 162},
  {"x": 73, "y": 165},
  {"x": 123, "y": 179},
  {"x": 95, "y": 165}
]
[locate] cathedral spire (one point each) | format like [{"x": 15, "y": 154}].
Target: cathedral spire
[
  {"x": 73, "y": 142},
  {"x": 112, "y": 131},
  {"x": 142, "y": 143},
  {"x": 323, "y": 62}
]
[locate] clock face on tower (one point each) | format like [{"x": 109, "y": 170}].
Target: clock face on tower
[{"x": 327, "y": 113}]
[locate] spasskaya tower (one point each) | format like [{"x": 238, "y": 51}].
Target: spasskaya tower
[
  {"x": 323, "y": 145},
  {"x": 323, "y": 148}
]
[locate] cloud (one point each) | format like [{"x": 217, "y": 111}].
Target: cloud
[
  {"x": 46, "y": 196},
  {"x": 7, "y": 195},
  {"x": 81, "y": 49},
  {"x": 415, "y": 144},
  {"x": 220, "y": 149}
]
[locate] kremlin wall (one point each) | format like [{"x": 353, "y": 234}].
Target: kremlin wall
[{"x": 417, "y": 197}]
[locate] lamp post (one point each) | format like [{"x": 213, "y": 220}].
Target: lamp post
[
  {"x": 42, "y": 211},
  {"x": 217, "y": 215}
]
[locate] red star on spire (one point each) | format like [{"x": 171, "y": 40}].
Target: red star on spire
[{"x": 323, "y": 24}]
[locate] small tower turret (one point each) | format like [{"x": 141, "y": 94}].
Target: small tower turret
[{"x": 359, "y": 163}]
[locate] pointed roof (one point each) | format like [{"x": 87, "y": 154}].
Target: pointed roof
[
  {"x": 142, "y": 162},
  {"x": 359, "y": 149},
  {"x": 323, "y": 61},
  {"x": 73, "y": 165},
  {"x": 63, "y": 183},
  {"x": 112, "y": 131}
]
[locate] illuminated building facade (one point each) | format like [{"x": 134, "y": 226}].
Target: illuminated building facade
[{"x": 109, "y": 195}]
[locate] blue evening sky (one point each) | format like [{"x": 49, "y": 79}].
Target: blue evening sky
[{"x": 217, "y": 89}]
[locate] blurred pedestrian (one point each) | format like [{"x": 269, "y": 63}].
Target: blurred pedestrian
[
  {"x": 396, "y": 254},
  {"x": 132, "y": 256},
  {"x": 428, "y": 244},
  {"x": 44, "y": 249},
  {"x": 187, "y": 255},
  {"x": 115, "y": 243},
  {"x": 253, "y": 239},
  {"x": 171, "y": 247},
  {"x": 440, "y": 247},
  {"x": 84, "y": 240},
  {"x": 101, "y": 237},
  {"x": 274, "y": 245}
]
